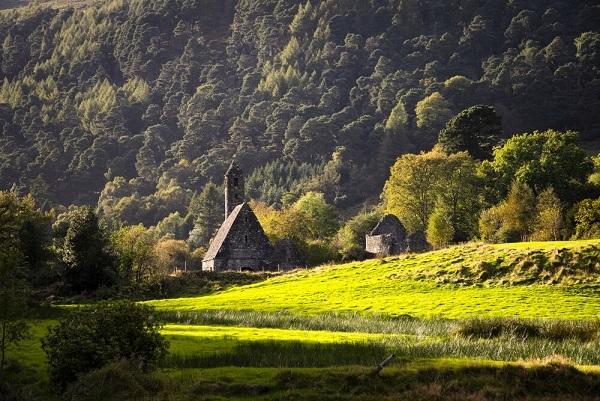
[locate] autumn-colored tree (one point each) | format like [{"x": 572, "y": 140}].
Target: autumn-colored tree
[
  {"x": 171, "y": 256},
  {"x": 439, "y": 228},
  {"x": 433, "y": 111},
  {"x": 548, "y": 222},
  {"x": 134, "y": 246},
  {"x": 418, "y": 182}
]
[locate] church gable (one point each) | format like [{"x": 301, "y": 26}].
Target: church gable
[
  {"x": 240, "y": 243},
  {"x": 246, "y": 238}
]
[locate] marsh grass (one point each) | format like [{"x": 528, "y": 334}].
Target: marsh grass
[
  {"x": 332, "y": 321},
  {"x": 485, "y": 328},
  {"x": 293, "y": 354},
  {"x": 288, "y": 354},
  {"x": 501, "y": 339},
  {"x": 554, "y": 330}
]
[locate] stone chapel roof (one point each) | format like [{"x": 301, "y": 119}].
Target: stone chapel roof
[
  {"x": 387, "y": 223},
  {"x": 219, "y": 240}
]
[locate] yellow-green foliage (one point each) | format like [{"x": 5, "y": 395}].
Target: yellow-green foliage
[
  {"x": 193, "y": 339},
  {"x": 97, "y": 102},
  {"x": 406, "y": 285},
  {"x": 11, "y": 93},
  {"x": 137, "y": 90},
  {"x": 432, "y": 111}
]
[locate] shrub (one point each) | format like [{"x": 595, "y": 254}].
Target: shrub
[
  {"x": 492, "y": 328},
  {"x": 559, "y": 330},
  {"x": 587, "y": 219},
  {"x": 117, "y": 381},
  {"x": 92, "y": 337}
]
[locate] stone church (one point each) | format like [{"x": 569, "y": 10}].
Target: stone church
[{"x": 241, "y": 243}]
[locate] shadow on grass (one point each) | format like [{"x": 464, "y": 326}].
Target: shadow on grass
[
  {"x": 284, "y": 354},
  {"x": 549, "y": 382}
]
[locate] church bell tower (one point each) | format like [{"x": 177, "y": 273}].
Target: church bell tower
[{"x": 234, "y": 188}]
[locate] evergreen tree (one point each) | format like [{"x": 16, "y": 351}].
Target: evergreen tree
[
  {"x": 206, "y": 210},
  {"x": 89, "y": 263},
  {"x": 475, "y": 130}
]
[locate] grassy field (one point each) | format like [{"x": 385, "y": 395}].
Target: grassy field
[
  {"x": 444, "y": 284},
  {"x": 467, "y": 322}
]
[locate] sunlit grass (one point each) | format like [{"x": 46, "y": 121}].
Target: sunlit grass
[
  {"x": 210, "y": 346},
  {"x": 357, "y": 313},
  {"x": 546, "y": 244},
  {"x": 403, "y": 285}
]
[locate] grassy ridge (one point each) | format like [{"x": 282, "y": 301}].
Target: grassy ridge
[
  {"x": 429, "y": 285},
  {"x": 10, "y": 4}
]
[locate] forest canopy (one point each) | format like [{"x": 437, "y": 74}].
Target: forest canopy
[{"x": 137, "y": 106}]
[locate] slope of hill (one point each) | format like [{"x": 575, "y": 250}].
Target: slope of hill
[
  {"x": 314, "y": 335},
  {"x": 534, "y": 280},
  {"x": 139, "y": 103},
  {"x": 10, "y": 4}
]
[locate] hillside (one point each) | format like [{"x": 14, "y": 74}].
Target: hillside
[
  {"x": 10, "y": 4},
  {"x": 533, "y": 280},
  {"x": 136, "y": 105},
  {"x": 486, "y": 322}
]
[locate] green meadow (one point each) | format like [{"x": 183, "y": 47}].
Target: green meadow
[
  {"x": 501, "y": 313},
  {"x": 435, "y": 284}
]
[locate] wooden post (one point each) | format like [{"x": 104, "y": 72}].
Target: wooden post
[{"x": 383, "y": 364}]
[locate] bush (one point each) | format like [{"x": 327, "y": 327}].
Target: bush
[
  {"x": 117, "y": 381},
  {"x": 92, "y": 337},
  {"x": 492, "y": 328},
  {"x": 559, "y": 330}
]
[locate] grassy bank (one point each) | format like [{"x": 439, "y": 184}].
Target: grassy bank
[
  {"x": 417, "y": 380},
  {"x": 543, "y": 280},
  {"x": 526, "y": 329}
]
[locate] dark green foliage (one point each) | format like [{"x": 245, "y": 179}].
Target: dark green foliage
[
  {"x": 161, "y": 94},
  {"x": 89, "y": 263},
  {"x": 475, "y": 130},
  {"x": 556, "y": 330},
  {"x": 91, "y": 337},
  {"x": 117, "y": 381},
  {"x": 14, "y": 295},
  {"x": 587, "y": 218},
  {"x": 206, "y": 210},
  {"x": 417, "y": 381},
  {"x": 540, "y": 160},
  {"x": 25, "y": 231},
  {"x": 279, "y": 182}
]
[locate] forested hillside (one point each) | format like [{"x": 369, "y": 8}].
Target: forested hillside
[{"x": 137, "y": 105}]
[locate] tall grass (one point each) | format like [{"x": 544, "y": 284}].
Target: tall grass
[
  {"x": 502, "y": 339},
  {"x": 289, "y": 354},
  {"x": 555, "y": 330},
  {"x": 332, "y": 321},
  {"x": 550, "y": 329}
]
